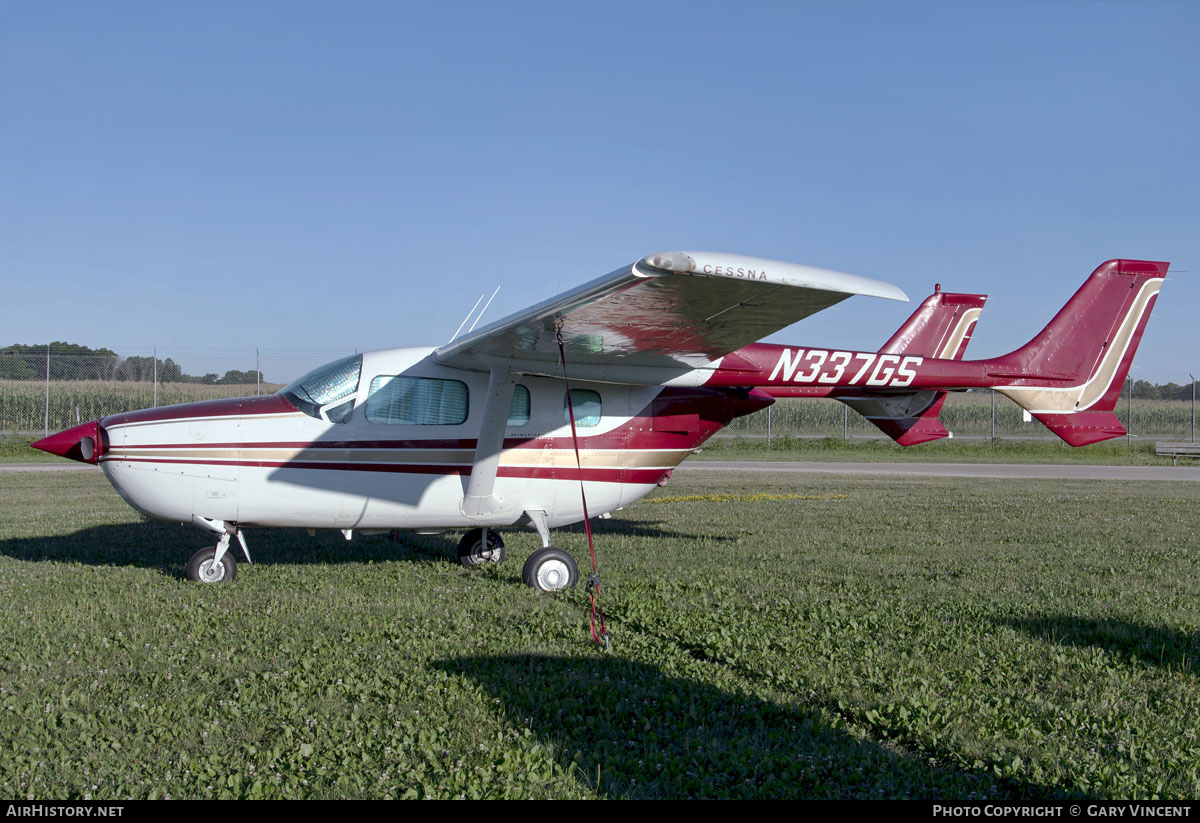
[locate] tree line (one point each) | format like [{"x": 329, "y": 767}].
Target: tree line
[
  {"x": 1171, "y": 391},
  {"x": 68, "y": 361}
]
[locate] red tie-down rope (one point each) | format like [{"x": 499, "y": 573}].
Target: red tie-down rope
[{"x": 599, "y": 636}]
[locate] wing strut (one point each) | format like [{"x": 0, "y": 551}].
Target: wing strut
[
  {"x": 480, "y": 501},
  {"x": 599, "y": 637}
]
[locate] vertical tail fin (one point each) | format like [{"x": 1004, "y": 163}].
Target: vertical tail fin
[
  {"x": 941, "y": 327},
  {"x": 1070, "y": 374}
]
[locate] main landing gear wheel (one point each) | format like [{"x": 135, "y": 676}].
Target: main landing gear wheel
[
  {"x": 202, "y": 569},
  {"x": 550, "y": 569},
  {"x": 472, "y": 552}
]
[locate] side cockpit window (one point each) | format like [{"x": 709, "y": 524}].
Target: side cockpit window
[
  {"x": 586, "y": 404},
  {"x": 419, "y": 401},
  {"x": 518, "y": 410},
  {"x": 327, "y": 393}
]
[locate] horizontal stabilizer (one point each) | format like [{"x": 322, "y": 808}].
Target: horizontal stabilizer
[
  {"x": 909, "y": 431},
  {"x": 1082, "y": 428},
  {"x": 908, "y": 418},
  {"x": 913, "y": 431}
]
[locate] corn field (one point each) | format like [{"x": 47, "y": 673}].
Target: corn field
[
  {"x": 965, "y": 414},
  {"x": 47, "y": 388},
  {"x": 24, "y": 409}
]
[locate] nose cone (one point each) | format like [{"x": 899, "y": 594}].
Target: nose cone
[{"x": 83, "y": 443}]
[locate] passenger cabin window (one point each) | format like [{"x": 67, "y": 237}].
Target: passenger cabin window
[
  {"x": 518, "y": 411},
  {"x": 587, "y": 408},
  {"x": 419, "y": 401},
  {"x": 327, "y": 393}
]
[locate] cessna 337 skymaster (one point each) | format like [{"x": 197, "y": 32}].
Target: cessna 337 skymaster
[{"x": 660, "y": 354}]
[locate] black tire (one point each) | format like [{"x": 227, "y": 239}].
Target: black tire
[
  {"x": 550, "y": 570},
  {"x": 200, "y": 567},
  {"x": 471, "y": 551}
]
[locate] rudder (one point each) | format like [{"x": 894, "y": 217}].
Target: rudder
[{"x": 1070, "y": 374}]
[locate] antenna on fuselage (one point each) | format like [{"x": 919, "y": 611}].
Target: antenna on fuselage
[
  {"x": 464, "y": 321},
  {"x": 485, "y": 308},
  {"x": 472, "y": 312}
]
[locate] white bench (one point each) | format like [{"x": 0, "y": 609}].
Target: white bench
[{"x": 1176, "y": 450}]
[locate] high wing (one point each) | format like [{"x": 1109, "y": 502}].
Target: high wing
[{"x": 662, "y": 316}]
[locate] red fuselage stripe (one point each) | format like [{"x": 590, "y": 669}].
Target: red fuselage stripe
[
  {"x": 619, "y": 440},
  {"x": 601, "y": 475}
]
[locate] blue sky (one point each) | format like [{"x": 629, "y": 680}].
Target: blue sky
[{"x": 317, "y": 177}]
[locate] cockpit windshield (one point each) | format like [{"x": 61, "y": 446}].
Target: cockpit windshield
[{"x": 325, "y": 385}]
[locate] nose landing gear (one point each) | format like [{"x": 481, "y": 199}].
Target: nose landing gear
[
  {"x": 216, "y": 564},
  {"x": 204, "y": 567}
]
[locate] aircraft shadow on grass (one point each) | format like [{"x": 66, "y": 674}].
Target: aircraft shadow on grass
[
  {"x": 166, "y": 547},
  {"x": 627, "y": 729},
  {"x": 1152, "y": 645},
  {"x": 633, "y": 528}
]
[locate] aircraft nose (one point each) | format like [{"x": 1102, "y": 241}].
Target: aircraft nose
[{"x": 84, "y": 442}]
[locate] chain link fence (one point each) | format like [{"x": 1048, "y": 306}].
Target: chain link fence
[
  {"x": 45, "y": 389},
  {"x": 972, "y": 414}
]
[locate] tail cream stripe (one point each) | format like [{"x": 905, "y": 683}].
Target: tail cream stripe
[
  {"x": 954, "y": 342},
  {"x": 1063, "y": 400}
]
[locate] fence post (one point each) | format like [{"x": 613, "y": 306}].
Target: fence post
[
  {"x": 1193, "y": 407},
  {"x": 47, "y": 390},
  {"x": 1129, "y": 416},
  {"x": 993, "y": 414},
  {"x": 768, "y": 427},
  {"x": 845, "y": 422},
  {"x": 154, "y": 357},
  {"x": 258, "y": 374}
]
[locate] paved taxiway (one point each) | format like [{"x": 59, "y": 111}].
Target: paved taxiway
[
  {"x": 47, "y": 467},
  {"x": 1002, "y": 470}
]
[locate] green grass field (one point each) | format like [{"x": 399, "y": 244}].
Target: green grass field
[
  {"x": 1118, "y": 451},
  {"x": 897, "y": 637}
]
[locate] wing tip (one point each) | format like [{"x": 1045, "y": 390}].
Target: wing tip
[
  {"x": 743, "y": 267},
  {"x": 676, "y": 261}
]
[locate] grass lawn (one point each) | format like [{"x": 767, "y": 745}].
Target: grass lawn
[
  {"x": 824, "y": 637},
  {"x": 881, "y": 450}
]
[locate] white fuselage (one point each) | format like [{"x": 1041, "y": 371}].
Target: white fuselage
[{"x": 262, "y": 462}]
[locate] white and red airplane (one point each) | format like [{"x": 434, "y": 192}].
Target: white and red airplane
[{"x": 659, "y": 355}]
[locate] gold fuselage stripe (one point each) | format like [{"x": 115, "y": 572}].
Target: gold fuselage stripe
[{"x": 590, "y": 458}]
